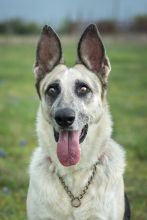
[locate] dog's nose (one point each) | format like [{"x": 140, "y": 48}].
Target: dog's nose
[{"x": 65, "y": 117}]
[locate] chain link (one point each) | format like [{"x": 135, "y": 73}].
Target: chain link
[{"x": 84, "y": 191}]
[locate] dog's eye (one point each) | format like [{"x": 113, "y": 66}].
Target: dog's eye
[
  {"x": 53, "y": 91},
  {"x": 83, "y": 90}
]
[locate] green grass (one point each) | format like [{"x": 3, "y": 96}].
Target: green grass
[{"x": 18, "y": 106}]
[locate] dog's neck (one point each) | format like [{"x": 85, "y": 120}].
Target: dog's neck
[
  {"x": 93, "y": 145},
  {"x": 62, "y": 172}
]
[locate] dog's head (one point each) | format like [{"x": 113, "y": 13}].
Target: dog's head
[{"x": 71, "y": 98}]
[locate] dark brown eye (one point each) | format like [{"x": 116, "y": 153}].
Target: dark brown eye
[
  {"x": 51, "y": 91},
  {"x": 82, "y": 89}
]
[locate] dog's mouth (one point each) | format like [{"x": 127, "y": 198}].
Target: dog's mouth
[
  {"x": 83, "y": 134},
  {"x": 68, "y": 145}
]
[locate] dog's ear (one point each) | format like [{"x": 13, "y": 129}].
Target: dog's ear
[
  {"x": 48, "y": 54},
  {"x": 91, "y": 52}
]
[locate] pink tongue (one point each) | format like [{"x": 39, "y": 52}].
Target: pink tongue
[{"x": 68, "y": 148}]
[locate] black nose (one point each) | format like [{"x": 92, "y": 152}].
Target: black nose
[{"x": 65, "y": 117}]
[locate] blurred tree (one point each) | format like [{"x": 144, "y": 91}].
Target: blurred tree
[
  {"x": 18, "y": 26},
  {"x": 107, "y": 26},
  {"x": 140, "y": 23},
  {"x": 69, "y": 27}
]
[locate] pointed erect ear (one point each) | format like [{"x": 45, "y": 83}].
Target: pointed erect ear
[
  {"x": 49, "y": 52},
  {"x": 91, "y": 52}
]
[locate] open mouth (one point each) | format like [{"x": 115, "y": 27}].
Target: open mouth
[
  {"x": 82, "y": 134},
  {"x": 68, "y": 145}
]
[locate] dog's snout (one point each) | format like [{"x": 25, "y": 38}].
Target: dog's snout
[{"x": 65, "y": 117}]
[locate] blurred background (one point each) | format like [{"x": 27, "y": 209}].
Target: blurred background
[{"x": 123, "y": 26}]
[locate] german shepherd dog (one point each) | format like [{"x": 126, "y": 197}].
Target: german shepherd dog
[{"x": 76, "y": 173}]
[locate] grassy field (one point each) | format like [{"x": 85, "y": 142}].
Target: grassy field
[{"x": 18, "y": 106}]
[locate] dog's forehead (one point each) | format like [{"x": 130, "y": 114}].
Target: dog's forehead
[
  {"x": 72, "y": 74},
  {"x": 68, "y": 76},
  {"x": 79, "y": 73}
]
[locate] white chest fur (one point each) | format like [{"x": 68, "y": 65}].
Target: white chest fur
[{"x": 48, "y": 200}]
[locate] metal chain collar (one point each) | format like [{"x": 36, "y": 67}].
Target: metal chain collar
[{"x": 76, "y": 200}]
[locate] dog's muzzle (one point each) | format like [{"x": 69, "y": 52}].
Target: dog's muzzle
[{"x": 68, "y": 140}]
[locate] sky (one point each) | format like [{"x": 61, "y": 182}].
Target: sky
[{"x": 55, "y": 11}]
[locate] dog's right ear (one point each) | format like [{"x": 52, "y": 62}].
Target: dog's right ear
[{"x": 48, "y": 54}]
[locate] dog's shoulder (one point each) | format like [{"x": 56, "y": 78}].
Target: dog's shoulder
[
  {"x": 116, "y": 149},
  {"x": 115, "y": 158},
  {"x": 39, "y": 163}
]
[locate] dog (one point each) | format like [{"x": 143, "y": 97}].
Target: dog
[{"x": 76, "y": 173}]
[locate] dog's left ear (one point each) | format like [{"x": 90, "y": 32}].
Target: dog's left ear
[{"x": 91, "y": 52}]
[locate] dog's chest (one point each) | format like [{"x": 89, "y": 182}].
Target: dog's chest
[
  {"x": 57, "y": 202},
  {"x": 48, "y": 199}
]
